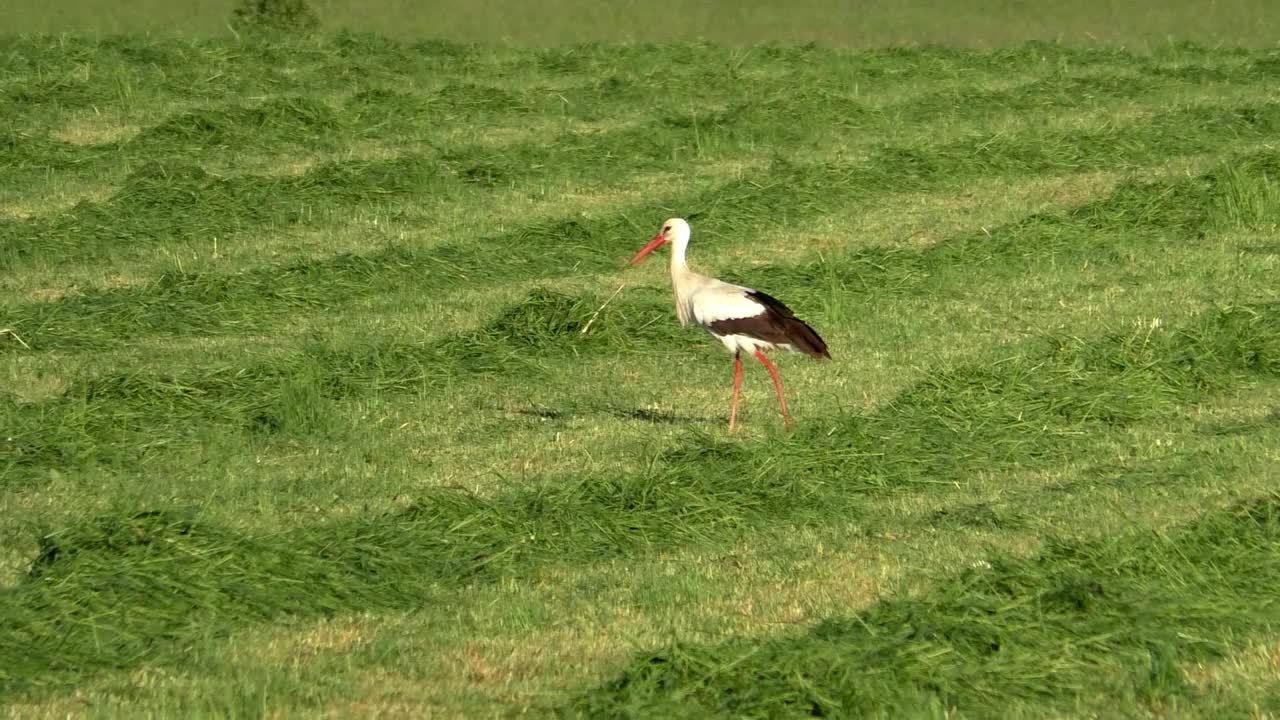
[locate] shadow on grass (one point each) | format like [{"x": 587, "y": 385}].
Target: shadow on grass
[{"x": 660, "y": 417}]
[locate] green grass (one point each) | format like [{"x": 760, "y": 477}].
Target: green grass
[
  {"x": 868, "y": 23},
  {"x": 1079, "y": 625},
  {"x": 323, "y": 388}
]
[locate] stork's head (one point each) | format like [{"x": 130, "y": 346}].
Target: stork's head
[{"x": 674, "y": 231}]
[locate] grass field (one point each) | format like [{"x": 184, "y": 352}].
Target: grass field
[
  {"x": 538, "y": 23},
  {"x": 324, "y": 390}
]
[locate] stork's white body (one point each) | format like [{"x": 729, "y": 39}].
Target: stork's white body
[
  {"x": 705, "y": 300},
  {"x": 742, "y": 318}
]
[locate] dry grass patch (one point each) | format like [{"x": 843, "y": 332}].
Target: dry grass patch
[
  {"x": 1253, "y": 669},
  {"x": 95, "y": 129},
  {"x": 32, "y": 378},
  {"x": 54, "y": 198}
]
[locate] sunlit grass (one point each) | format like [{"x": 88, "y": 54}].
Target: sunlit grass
[{"x": 324, "y": 389}]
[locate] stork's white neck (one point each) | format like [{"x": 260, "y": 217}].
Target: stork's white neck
[
  {"x": 679, "y": 244},
  {"x": 678, "y": 247},
  {"x": 682, "y": 279}
]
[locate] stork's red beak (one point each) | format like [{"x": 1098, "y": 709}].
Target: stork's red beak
[{"x": 653, "y": 245}]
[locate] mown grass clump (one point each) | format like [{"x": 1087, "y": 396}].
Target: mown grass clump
[
  {"x": 101, "y": 418},
  {"x": 21, "y": 151},
  {"x": 979, "y": 515},
  {"x": 1055, "y": 91},
  {"x": 1240, "y": 192},
  {"x": 1177, "y": 132},
  {"x": 1030, "y": 410},
  {"x": 269, "y": 125},
  {"x": 129, "y": 589},
  {"x": 185, "y": 303},
  {"x": 46, "y": 77},
  {"x": 274, "y": 15},
  {"x": 161, "y": 203},
  {"x": 1025, "y": 412},
  {"x": 1081, "y": 627},
  {"x": 770, "y": 119},
  {"x": 129, "y": 75},
  {"x": 386, "y": 112},
  {"x": 207, "y": 206}
]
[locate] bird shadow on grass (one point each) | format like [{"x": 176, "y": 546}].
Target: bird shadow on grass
[
  {"x": 649, "y": 415},
  {"x": 544, "y": 413},
  {"x": 652, "y": 415}
]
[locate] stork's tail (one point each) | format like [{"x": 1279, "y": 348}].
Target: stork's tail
[{"x": 806, "y": 339}]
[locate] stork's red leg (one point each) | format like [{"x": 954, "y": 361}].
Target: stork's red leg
[
  {"x": 737, "y": 388},
  {"x": 777, "y": 385}
]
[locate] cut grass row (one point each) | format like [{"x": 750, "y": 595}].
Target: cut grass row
[
  {"x": 677, "y": 134},
  {"x": 1234, "y": 193},
  {"x": 294, "y": 118},
  {"x": 180, "y": 579},
  {"x": 300, "y": 122},
  {"x": 211, "y": 302},
  {"x": 93, "y": 417},
  {"x": 168, "y": 572},
  {"x": 50, "y": 75},
  {"x": 555, "y": 23},
  {"x": 524, "y": 643},
  {"x": 1083, "y": 627}
]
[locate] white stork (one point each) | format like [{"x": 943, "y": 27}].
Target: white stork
[{"x": 744, "y": 319}]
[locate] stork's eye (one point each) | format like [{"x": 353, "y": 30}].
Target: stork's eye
[{"x": 666, "y": 228}]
